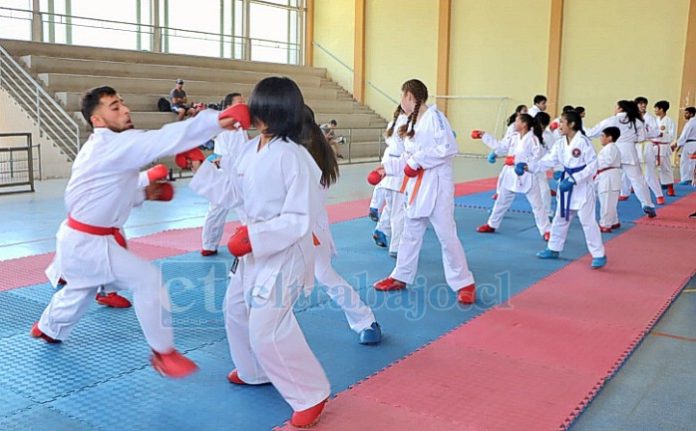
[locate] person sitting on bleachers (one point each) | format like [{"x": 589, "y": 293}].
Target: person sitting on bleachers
[{"x": 179, "y": 102}]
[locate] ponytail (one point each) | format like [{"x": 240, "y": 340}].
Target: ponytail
[{"x": 420, "y": 93}]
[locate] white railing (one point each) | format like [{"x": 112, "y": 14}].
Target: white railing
[{"x": 51, "y": 118}]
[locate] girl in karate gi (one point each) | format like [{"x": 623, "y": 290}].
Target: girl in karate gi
[
  {"x": 576, "y": 193},
  {"x": 274, "y": 187},
  {"x": 429, "y": 147},
  {"x": 360, "y": 317},
  {"x": 523, "y": 146},
  {"x": 391, "y": 223},
  {"x": 521, "y": 109},
  {"x": 630, "y": 123}
]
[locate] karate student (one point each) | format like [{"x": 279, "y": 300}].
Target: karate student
[
  {"x": 376, "y": 203},
  {"x": 360, "y": 317},
  {"x": 391, "y": 223},
  {"x": 575, "y": 191},
  {"x": 661, "y": 146},
  {"x": 274, "y": 188},
  {"x": 90, "y": 249},
  {"x": 522, "y": 147},
  {"x": 548, "y": 140},
  {"x": 652, "y": 132},
  {"x": 521, "y": 109},
  {"x": 539, "y": 105},
  {"x": 628, "y": 119},
  {"x": 608, "y": 179},
  {"x": 429, "y": 146},
  {"x": 228, "y": 143},
  {"x": 687, "y": 144}
]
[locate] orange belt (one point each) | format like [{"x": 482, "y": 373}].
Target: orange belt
[
  {"x": 419, "y": 180},
  {"x": 315, "y": 240},
  {"x": 98, "y": 230},
  {"x": 510, "y": 161}
]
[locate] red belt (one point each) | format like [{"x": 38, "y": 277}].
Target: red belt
[
  {"x": 98, "y": 230},
  {"x": 599, "y": 171},
  {"x": 510, "y": 160},
  {"x": 658, "y": 156}
]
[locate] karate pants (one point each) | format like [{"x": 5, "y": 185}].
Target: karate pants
[
  {"x": 650, "y": 170},
  {"x": 454, "y": 261},
  {"x": 686, "y": 164},
  {"x": 504, "y": 201},
  {"x": 358, "y": 315},
  {"x": 266, "y": 342},
  {"x": 608, "y": 215},
  {"x": 586, "y": 214},
  {"x": 377, "y": 200},
  {"x": 634, "y": 176},
  {"x": 391, "y": 221},
  {"x": 213, "y": 226},
  {"x": 544, "y": 192},
  {"x": 150, "y": 300},
  {"x": 665, "y": 168}
]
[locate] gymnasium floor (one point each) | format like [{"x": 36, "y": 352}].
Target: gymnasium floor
[{"x": 549, "y": 344}]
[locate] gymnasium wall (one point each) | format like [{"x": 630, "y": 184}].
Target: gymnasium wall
[
  {"x": 610, "y": 50},
  {"x": 334, "y": 30}
]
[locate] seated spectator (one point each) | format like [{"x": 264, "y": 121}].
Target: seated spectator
[
  {"x": 179, "y": 102},
  {"x": 329, "y": 130}
]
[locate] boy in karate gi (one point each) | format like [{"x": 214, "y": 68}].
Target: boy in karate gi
[{"x": 608, "y": 179}]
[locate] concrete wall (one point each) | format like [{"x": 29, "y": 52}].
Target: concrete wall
[{"x": 334, "y": 31}]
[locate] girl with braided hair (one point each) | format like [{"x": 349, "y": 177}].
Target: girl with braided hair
[
  {"x": 391, "y": 223},
  {"x": 429, "y": 147}
]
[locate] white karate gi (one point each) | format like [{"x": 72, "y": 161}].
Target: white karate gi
[
  {"x": 579, "y": 152},
  {"x": 652, "y": 132},
  {"x": 687, "y": 143},
  {"x": 661, "y": 147},
  {"x": 277, "y": 190},
  {"x": 391, "y": 221},
  {"x": 432, "y": 148},
  {"x": 227, "y": 143},
  {"x": 524, "y": 149},
  {"x": 358, "y": 314},
  {"x": 103, "y": 188},
  {"x": 608, "y": 182},
  {"x": 629, "y": 157}
]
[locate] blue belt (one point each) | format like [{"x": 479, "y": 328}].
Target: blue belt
[{"x": 565, "y": 196}]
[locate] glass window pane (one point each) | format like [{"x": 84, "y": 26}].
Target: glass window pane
[
  {"x": 15, "y": 24},
  {"x": 195, "y": 27}
]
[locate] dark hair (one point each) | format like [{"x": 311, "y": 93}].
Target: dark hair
[
  {"x": 575, "y": 118},
  {"x": 333, "y": 122},
  {"x": 568, "y": 108},
  {"x": 691, "y": 110},
  {"x": 543, "y": 119},
  {"x": 533, "y": 126},
  {"x": 662, "y": 104},
  {"x": 539, "y": 98},
  {"x": 91, "y": 99},
  {"x": 579, "y": 109},
  {"x": 390, "y": 131},
  {"x": 278, "y": 103},
  {"x": 613, "y": 133},
  {"x": 514, "y": 115},
  {"x": 228, "y": 99},
  {"x": 632, "y": 112},
  {"x": 420, "y": 92},
  {"x": 640, "y": 99},
  {"x": 314, "y": 140}
]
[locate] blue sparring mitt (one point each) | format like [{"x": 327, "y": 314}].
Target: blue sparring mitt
[
  {"x": 566, "y": 184},
  {"x": 520, "y": 168},
  {"x": 491, "y": 157},
  {"x": 557, "y": 175}
]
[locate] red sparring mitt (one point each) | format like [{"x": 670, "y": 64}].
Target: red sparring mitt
[
  {"x": 159, "y": 192},
  {"x": 183, "y": 160},
  {"x": 239, "y": 243},
  {"x": 156, "y": 173},
  {"x": 554, "y": 125},
  {"x": 239, "y": 112},
  {"x": 374, "y": 177},
  {"x": 410, "y": 172},
  {"x": 476, "y": 134}
]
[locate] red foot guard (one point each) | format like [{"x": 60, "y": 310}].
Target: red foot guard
[
  {"x": 172, "y": 364},
  {"x": 36, "y": 333},
  {"x": 485, "y": 229},
  {"x": 309, "y": 417},
  {"x": 113, "y": 300},
  {"x": 389, "y": 284},
  {"x": 467, "y": 295}
]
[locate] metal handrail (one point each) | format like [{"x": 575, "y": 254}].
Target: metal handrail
[{"x": 50, "y": 116}]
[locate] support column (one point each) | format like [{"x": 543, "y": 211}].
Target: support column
[
  {"x": 443, "y": 52},
  {"x": 688, "y": 86},
  {"x": 309, "y": 34},
  {"x": 359, "y": 53},
  {"x": 553, "y": 76},
  {"x": 36, "y": 24},
  {"x": 157, "y": 30}
]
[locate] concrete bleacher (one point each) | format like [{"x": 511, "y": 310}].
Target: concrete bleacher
[{"x": 143, "y": 77}]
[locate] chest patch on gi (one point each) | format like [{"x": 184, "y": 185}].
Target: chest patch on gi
[{"x": 576, "y": 152}]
